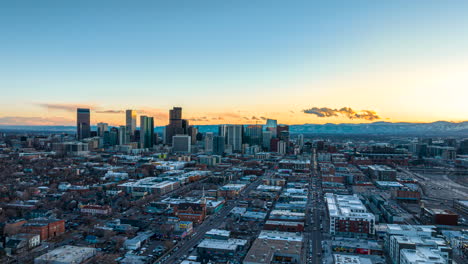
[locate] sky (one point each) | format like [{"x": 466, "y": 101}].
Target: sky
[{"x": 234, "y": 61}]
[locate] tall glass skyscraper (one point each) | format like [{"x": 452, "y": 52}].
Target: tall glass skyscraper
[
  {"x": 130, "y": 123},
  {"x": 253, "y": 135},
  {"x": 146, "y": 132},
  {"x": 83, "y": 123},
  {"x": 233, "y": 135},
  {"x": 271, "y": 125}
]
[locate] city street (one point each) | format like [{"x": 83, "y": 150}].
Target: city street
[{"x": 184, "y": 247}]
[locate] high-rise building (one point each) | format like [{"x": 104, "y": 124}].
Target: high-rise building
[
  {"x": 209, "y": 136},
  {"x": 222, "y": 131},
  {"x": 192, "y": 132},
  {"x": 83, "y": 123},
  {"x": 146, "y": 132},
  {"x": 266, "y": 139},
  {"x": 463, "y": 149},
  {"x": 176, "y": 126},
  {"x": 283, "y": 132},
  {"x": 181, "y": 143},
  {"x": 253, "y": 135},
  {"x": 102, "y": 128},
  {"x": 271, "y": 125},
  {"x": 114, "y": 136},
  {"x": 131, "y": 124},
  {"x": 300, "y": 140},
  {"x": 123, "y": 135},
  {"x": 274, "y": 144},
  {"x": 233, "y": 136},
  {"x": 282, "y": 147},
  {"x": 218, "y": 145}
]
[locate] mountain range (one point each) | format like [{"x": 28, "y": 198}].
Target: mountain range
[{"x": 388, "y": 128}]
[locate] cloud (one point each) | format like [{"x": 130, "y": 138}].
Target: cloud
[
  {"x": 263, "y": 118},
  {"x": 64, "y": 107},
  {"x": 36, "y": 121},
  {"x": 367, "y": 115},
  {"x": 199, "y": 119},
  {"x": 344, "y": 111},
  {"x": 110, "y": 111},
  {"x": 229, "y": 115},
  {"x": 158, "y": 114},
  {"x": 321, "y": 112}
]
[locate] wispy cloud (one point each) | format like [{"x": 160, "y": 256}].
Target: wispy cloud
[
  {"x": 199, "y": 119},
  {"x": 157, "y": 113},
  {"x": 34, "y": 121},
  {"x": 110, "y": 111},
  {"x": 344, "y": 111},
  {"x": 64, "y": 107}
]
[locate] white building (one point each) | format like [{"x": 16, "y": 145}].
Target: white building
[
  {"x": 209, "y": 142},
  {"x": 234, "y": 136},
  {"x": 349, "y": 216},
  {"x": 421, "y": 255},
  {"x": 136, "y": 242},
  {"x": 66, "y": 255}
]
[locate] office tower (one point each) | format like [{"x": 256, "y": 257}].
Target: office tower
[
  {"x": 102, "y": 128},
  {"x": 199, "y": 136},
  {"x": 106, "y": 138},
  {"x": 137, "y": 135},
  {"x": 300, "y": 140},
  {"x": 114, "y": 136},
  {"x": 253, "y": 135},
  {"x": 282, "y": 147},
  {"x": 271, "y": 125},
  {"x": 123, "y": 135},
  {"x": 282, "y": 132},
  {"x": 130, "y": 123},
  {"x": 274, "y": 144},
  {"x": 233, "y": 136},
  {"x": 83, "y": 123},
  {"x": 218, "y": 145},
  {"x": 155, "y": 139},
  {"x": 463, "y": 148},
  {"x": 209, "y": 136},
  {"x": 146, "y": 132},
  {"x": 222, "y": 131},
  {"x": 192, "y": 132},
  {"x": 181, "y": 143},
  {"x": 266, "y": 139},
  {"x": 176, "y": 126}
]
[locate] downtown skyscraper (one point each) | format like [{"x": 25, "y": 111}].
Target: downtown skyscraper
[
  {"x": 83, "y": 123},
  {"x": 233, "y": 135},
  {"x": 176, "y": 126},
  {"x": 271, "y": 125},
  {"x": 131, "y": 124},
  {"x": 146, "y": 132},
  {"x": 253, "y": 135}
]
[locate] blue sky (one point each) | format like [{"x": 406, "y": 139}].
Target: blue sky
[{"x": 249, "y": 57}]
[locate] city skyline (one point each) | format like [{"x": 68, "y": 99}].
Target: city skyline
[{"x": 237, "y": 63}]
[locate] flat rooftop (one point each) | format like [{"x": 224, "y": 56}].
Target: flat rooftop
[{"x": 67, "y": 254}]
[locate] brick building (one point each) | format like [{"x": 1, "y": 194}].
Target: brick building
[
  {"x": 46, "y": 228},
  {"x": 193, "y": 212}
]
